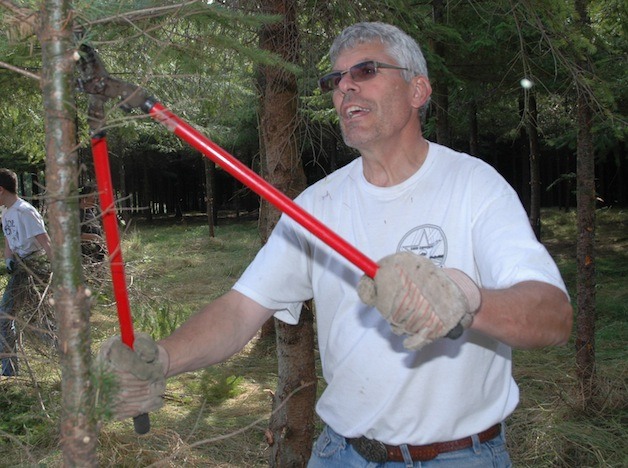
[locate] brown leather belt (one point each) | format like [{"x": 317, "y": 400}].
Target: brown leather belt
[{"x": 378, "y": 452}]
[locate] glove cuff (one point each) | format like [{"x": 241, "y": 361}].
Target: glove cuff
[
  {"x": 164, "y": 359},
  {"x": 468, "y": 287}
]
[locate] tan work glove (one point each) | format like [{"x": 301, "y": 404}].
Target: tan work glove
[
  {"x": 421, "y": 300},
  {"x": 139, "y": 374}
]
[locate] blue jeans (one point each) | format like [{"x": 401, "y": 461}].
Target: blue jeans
[
  {"x": 7, "y": 327},
  {"x": 332, "y": 451}
]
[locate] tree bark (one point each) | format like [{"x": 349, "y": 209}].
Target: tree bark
[
  {"x": 535, "y": 163},
  {"x": 78, "y": 426},
  {"x": 440, "y": 95},
  {"x": 585, "y": 323},
  {"x": 210, "y": 168},
  {"x": 147, "y": 194},
  {"x": 474, "y": 131},
  {"x": 585, "y": 182},
  {"x": 291, "y": 426}
]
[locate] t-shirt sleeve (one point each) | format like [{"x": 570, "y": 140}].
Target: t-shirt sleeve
[
  {"x": 279, "y": 277},
  {"x": 505, "y": 247}
]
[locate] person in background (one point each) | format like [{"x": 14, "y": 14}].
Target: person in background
[
  {"x": 92, "y": 242},
  {"x": 25, "y": 244},
  {"x": 417, "y": 361}
]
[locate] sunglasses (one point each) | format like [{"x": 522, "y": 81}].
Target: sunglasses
[{"x": 363, "y": 71}]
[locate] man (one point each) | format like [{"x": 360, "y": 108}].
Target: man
[
  {"x": 426, "y": 373},
  {"x": 25, "y": 239}
]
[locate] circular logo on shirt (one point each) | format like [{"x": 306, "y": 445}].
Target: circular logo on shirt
[{"x": 426, "y": 240}]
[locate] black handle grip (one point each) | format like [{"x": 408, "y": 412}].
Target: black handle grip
[
  {"x": 455, "y": 332},
  {"x": 141, "y": 423}
]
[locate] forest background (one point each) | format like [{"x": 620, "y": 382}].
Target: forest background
[
  {"x": 203, "y": 62},
  {"x": 559, "y": 142}
]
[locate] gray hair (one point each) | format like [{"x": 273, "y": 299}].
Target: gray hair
[{"x": 401, "y": 47}]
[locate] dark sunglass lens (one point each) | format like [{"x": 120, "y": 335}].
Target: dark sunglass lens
[
  {"x": 363, "y": 71},
  {"x": 329, "y": 82}
]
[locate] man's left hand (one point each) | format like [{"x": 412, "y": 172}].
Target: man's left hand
[{"x": 421, "y": 300}]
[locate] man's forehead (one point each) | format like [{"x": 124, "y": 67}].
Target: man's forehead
[{"x": 349, "y": 56}]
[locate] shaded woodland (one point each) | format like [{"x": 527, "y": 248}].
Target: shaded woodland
[{"x": 477, "y": 54}]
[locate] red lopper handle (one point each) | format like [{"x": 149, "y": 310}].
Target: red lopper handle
[
  {"x": 141, "y": 423},
  {"x": 262, "y": 188}
]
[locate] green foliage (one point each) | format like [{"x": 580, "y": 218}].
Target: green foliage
[
  {"x": 200, "y": 59},
  {"x": 550, "y": 427},
  {"x": 22, "y": 418},
  {"x": 156, "y": 46},
  {"x": 215, "y": 387},
  {"x": 105, "y": 387},
  {"x": 22, "y": 140},
  {"x": 159, "y": 320}
]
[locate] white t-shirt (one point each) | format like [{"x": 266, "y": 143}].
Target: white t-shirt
[
  {"x": 20, "y": 224},
  {"x": 459, "y": 212}
]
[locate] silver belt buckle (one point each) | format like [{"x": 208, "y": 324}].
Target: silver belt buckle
[{"x": 369, "y": 449}]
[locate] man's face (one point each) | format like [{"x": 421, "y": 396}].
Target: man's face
[{"x": 374, "y": 113}]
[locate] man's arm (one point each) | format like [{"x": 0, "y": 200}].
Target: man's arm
[
  {"x": 44, "y": 241},
  {"x": 8, "y": 253},
  {"x": 214, "y": 334},
  {"x": 426, "y": 303},
  {"x": 530, "y": 314}
]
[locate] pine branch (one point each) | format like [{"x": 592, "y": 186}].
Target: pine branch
[
  {"x": 19, "y": 70},
  {"x": 143, "y": 14},
  {"x": 20, "y": 22}
]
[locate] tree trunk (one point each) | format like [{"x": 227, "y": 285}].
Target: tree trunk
[
  {"x": 291, "y": 426},
  {"x": 35, "y": 185},
  {"x": 474, "y": 131},
  {"x": 147, "y": 193},
  {"x": 440, "y": 95},
  {"x": 535, "y": 163},
  {"x": 78, "y": 426},
  {"x": 210, "y": 168},
  {"x": 585, "y": 323},
  {"x": 585, "y": 181},
  {"x": 122, "y": 200},
  {"x": 521, "y": 157},
  {"x": 440, "y": 99}
]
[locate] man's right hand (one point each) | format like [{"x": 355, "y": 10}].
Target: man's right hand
[
  {"x": 139, "y": 373},
  {"x": 421, "y": 300},
  {"x": 10, "y": 263}
]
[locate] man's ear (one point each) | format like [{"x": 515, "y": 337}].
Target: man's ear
[{"x": 421, "y": 91}]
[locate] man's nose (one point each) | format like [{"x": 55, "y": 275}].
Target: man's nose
[{"x": 347, "y": 83}]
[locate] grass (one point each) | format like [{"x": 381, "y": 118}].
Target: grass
[
  {"x": 217, "y": 417},
  {"x": 550, "y": 428}
]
